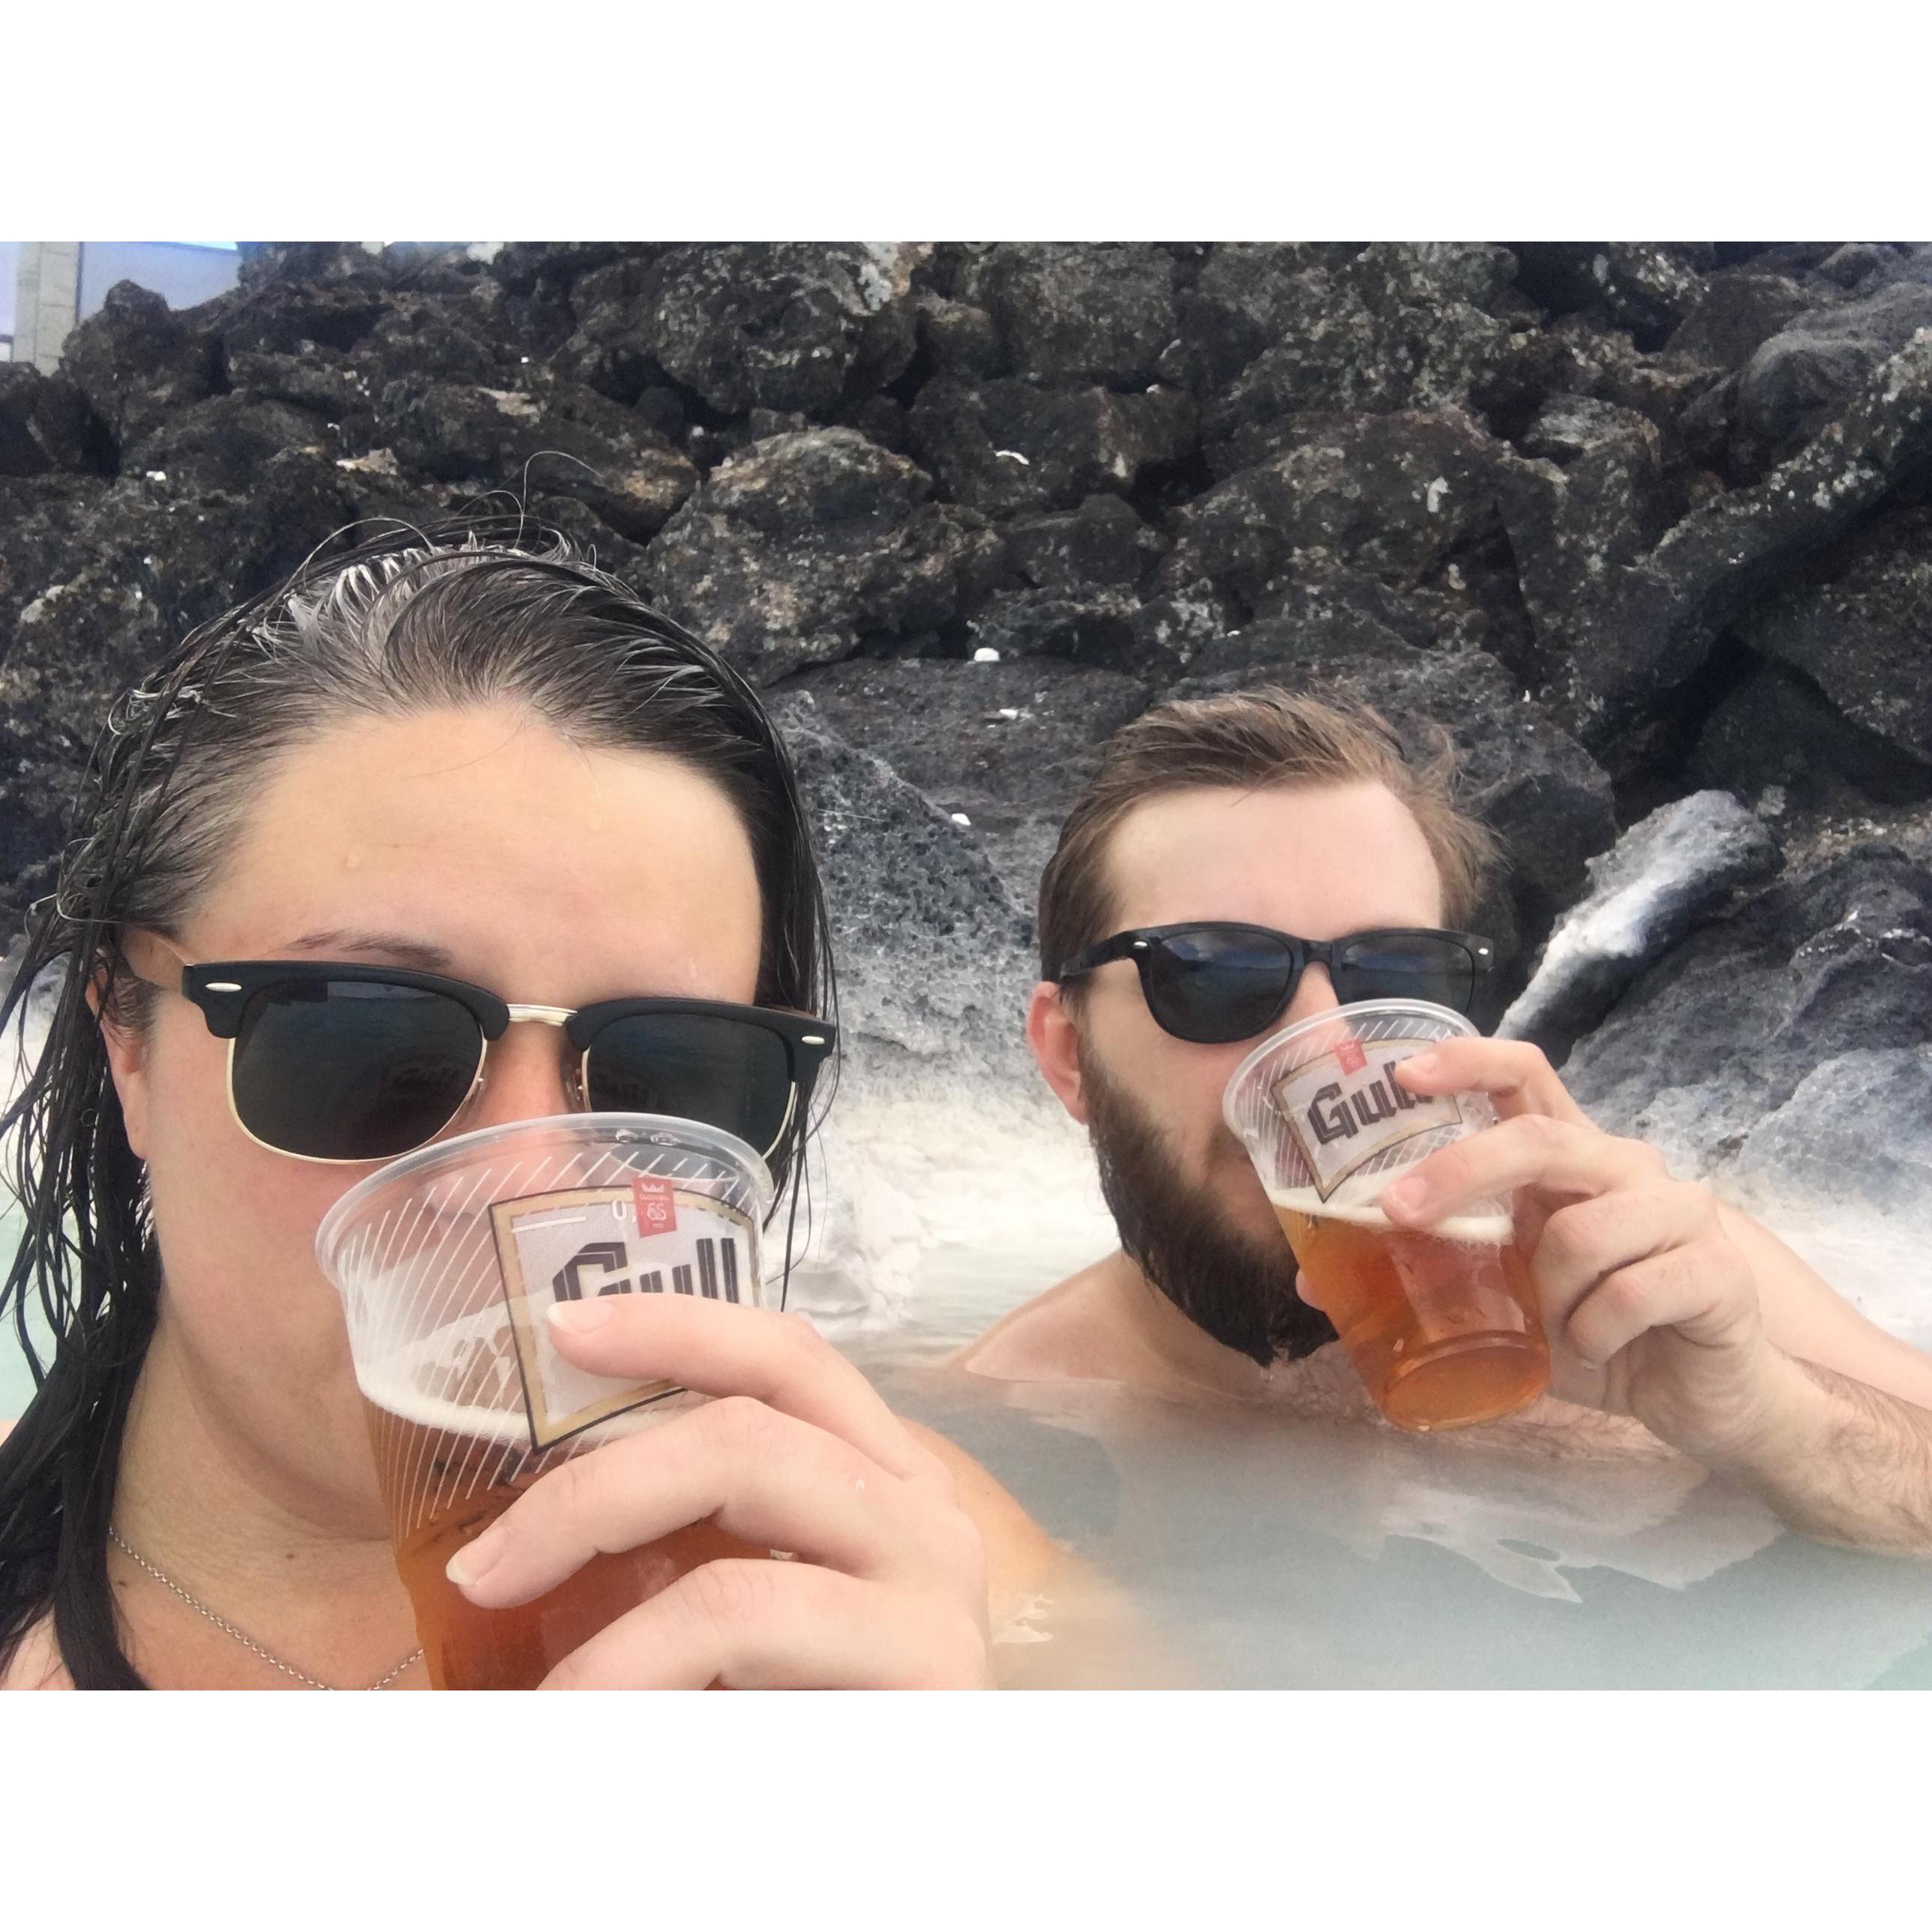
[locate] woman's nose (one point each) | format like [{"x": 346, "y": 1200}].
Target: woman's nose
[{"x": 526, "y": 1077}]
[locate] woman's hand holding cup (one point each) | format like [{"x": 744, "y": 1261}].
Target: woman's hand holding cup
[{"x": 887, "y": 1588}]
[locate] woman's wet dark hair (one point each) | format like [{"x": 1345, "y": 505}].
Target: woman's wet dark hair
[{"x": 402, "y": 625}]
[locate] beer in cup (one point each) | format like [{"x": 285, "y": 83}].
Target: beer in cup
[
  {"x": 449, "y": 1261},
  {"x": 1442, "y": 1326}
]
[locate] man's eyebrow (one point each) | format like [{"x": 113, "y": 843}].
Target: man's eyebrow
[{"x": 391, "y": 946}]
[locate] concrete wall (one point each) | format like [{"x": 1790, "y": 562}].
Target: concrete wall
[
  {"x": 10, "y": 275},
  {"x": 52, "y": 284},
  {"x": 46, "y": 296}
]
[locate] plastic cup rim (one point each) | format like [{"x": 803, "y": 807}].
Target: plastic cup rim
[
  {"x": 460, "y": 1148},
  {"x": 1462, "y": 1025}
]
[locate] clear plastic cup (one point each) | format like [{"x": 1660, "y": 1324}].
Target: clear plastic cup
[
  {"x": 447, "y": 1261},
  {"x": 1442, "y": 1327}
]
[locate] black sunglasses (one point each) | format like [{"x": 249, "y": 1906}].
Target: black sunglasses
[
  {"x": 1213, "y": 982},
  {"x": 344, "y": 1063}
]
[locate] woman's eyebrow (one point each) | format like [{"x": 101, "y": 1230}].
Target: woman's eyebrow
[{"x": 416, "y": 952}]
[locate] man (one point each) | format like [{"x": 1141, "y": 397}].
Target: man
[{"x": 1662, "y": 1304}]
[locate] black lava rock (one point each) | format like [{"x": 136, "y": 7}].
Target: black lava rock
[
  {"x": 1005, "y": 746},
  {"x": 1008, "y": 446},
  {"x": 1078, "y": 312},
  {"x": 1654, "y": 513},
  {"x": 804, "y": 546},
  {"x": 136, "y": 360},
  {"x": 785, "y": 325}
]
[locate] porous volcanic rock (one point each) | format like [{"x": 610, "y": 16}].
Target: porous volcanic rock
[
  {"x": 1008, "y": 446},
  {"x": 933, "y": 958},
  {"x": 1076, "y": 584},
  {"x": 1630, "y": 520},
  {"x": 782, "y": 325},
  {"x": 1738, "y": 312},
  {"x": 201, "y": 449},
  {"x": 1857, "y": 620},
  {"x": 1834, "y": 958},
  {"x": 1400, "y": 326},
  {"x": 1854, "y": 1130},
  {"x": 1393, "y": 497},
  {"x": 1776, "y": 738},
  {"x": 1005, "y": 746},
  {"x": 1232, "y": 311},
  {"x": 45, "y": 423},
  {"x": 136, "y": 360},
  {"x": 1652, "y": 623},
  {"x": 803, "y": 546},
  {"x": 1077, "y": 312},
  {"x": 958, "y": 338},
  {"x": 142, "y": 564},
  {"x": 580, "y": 443},
  {"x": 1590, "y": 499},
  {"x": 1658, "y": 882},
  {"x": 610, "y": 347},
  {"x": 1801, "y": 379},
  {"x": 1648, "y": 288}
]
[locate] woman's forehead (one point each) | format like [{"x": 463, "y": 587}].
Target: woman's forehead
[{"x": 486, "y": 835}]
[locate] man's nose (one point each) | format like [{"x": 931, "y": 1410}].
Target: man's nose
[
  {"x": 1315, "y": 994},
  {"x": 524, "y": 1077}
]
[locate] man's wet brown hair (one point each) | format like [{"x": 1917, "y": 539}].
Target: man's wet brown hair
[{"x": 1250, "y": 740}]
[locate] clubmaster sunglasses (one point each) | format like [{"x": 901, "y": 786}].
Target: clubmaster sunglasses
[
  {"x": 343, "y": 1064},
  {"x": 1212, "y": 982}
]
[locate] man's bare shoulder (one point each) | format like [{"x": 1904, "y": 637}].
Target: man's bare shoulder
[{"x": 1068, "y": 1333}]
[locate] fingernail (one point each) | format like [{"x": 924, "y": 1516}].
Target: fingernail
[
  {"x": 475, "y": 1561},
  {"x": 579, "y": 1318},
  {"x": 1408, "y": 1195},
  {"x": 1424, "y": 1063}
]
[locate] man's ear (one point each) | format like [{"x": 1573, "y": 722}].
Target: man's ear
[
  {"x": 1055, "y": 1041},
  {"x": 126, "y": 1063}
]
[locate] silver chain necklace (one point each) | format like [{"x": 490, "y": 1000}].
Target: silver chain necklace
[{"x": 241, "y": 1636}]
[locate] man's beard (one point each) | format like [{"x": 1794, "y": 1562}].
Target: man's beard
[{"x": 1241, "y": 1294}]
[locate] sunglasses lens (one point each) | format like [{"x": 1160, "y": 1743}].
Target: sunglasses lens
[
  {"x": 352, "y": 1070},
  {"x": 695, "y": 1067},
  {"x": 1407, "y": 966},
  {"x": 1211, "y": 987}
]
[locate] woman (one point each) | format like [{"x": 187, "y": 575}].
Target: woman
[{"x": 499, "y": 767}]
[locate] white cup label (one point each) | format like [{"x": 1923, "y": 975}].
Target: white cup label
[
  {"x": 1345, "y": 1110},
  {"x": 651, "y": 1238}
]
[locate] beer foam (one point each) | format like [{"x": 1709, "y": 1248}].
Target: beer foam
[
  {"x": 391, "y": 1386},
  {"x": 404, "y": 1383},
  {"x": 1488, "y": 1231}
]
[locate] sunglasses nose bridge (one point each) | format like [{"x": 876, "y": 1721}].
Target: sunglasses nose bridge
[
  {"x": 513, "y": 1092},
  {"x": 553, "y": 1016}
]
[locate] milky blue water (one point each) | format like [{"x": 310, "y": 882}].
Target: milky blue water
[
  {"x": 1264, "y": 1547},
  {"x": 1279, "y": 1546}
]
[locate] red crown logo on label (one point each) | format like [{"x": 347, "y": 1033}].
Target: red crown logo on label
[{"x": 651, "y": 1200}]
